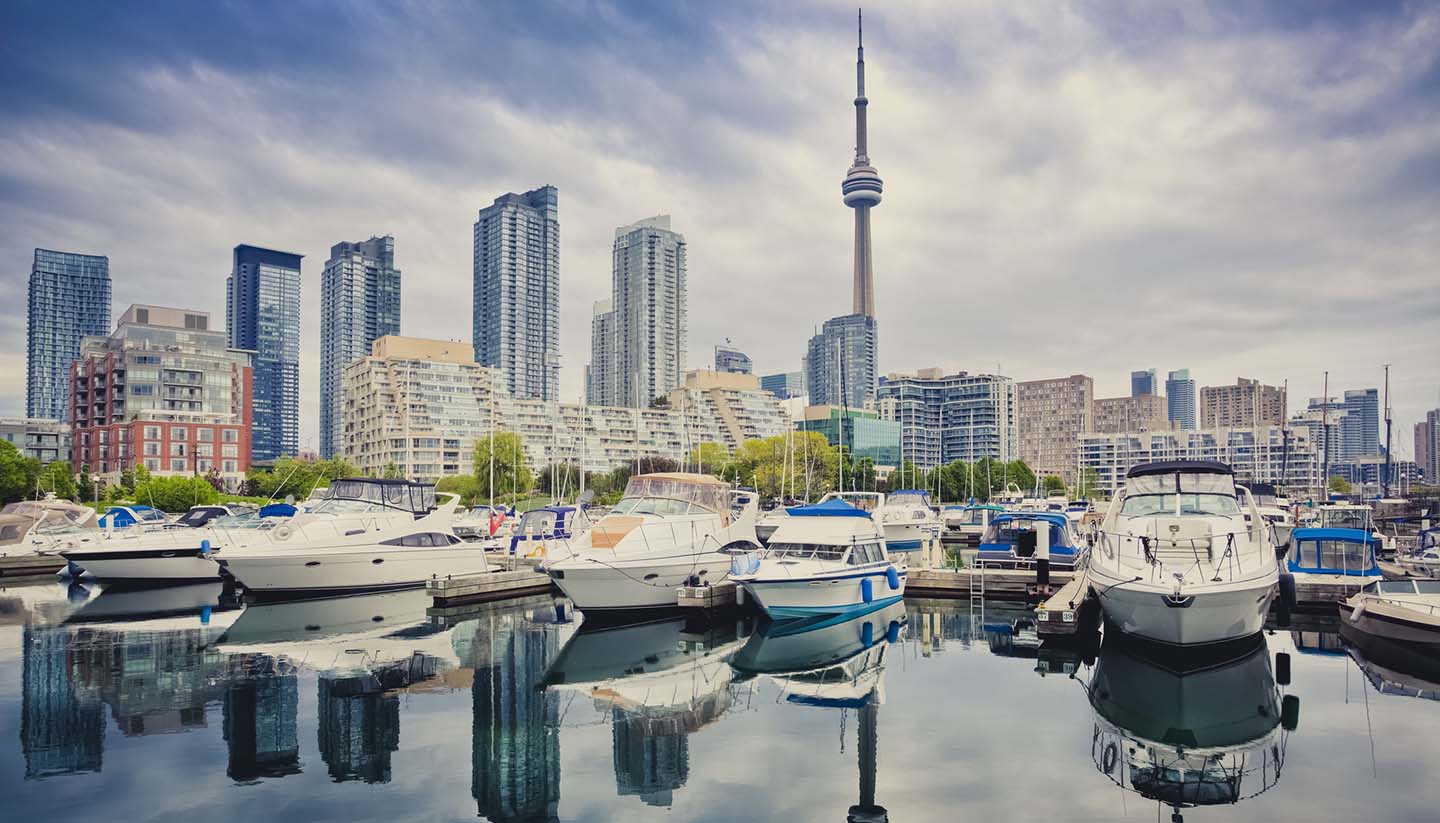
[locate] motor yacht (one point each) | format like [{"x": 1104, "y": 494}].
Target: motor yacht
[
  {"x": 825, "y": 559},
  {"x": 967, "y": 524},
  {"x": 1334, "y": 557},
  {"x": 1355, "y": 516},
  {"x": 540, "y": 529},
  {"x": 1174, "y": 560},
  {"x": 198, "y": 516},
  {"x": 909, "y": 521},
  {"x": 1011, "y": 538},
  {"x": 136, "y": 555},
  {"x": 133, "y": 516},
  {"x": 667, "y": 529},
  {"x": 1404, "y": 611},
  {"x": 1423, "y": 560},
  {"x": 769, "y": 522},
  {"x": 37, "y": 527},
  {"x": 365, "y": 535}
]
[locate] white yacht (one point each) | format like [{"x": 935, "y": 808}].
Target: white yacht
[
  {"x": 824, "y": 559},
  {"x": 1404, "y": 611},
  {"x": 1355, "y": 516},
  {"x": 35, "y": 527},
  {"x": 768, "y": 522},
  {"x": 1174, "y": 560},
  {"x": 173, "y": 555},
  {"x": 667, "y": 529},
  {"x": 910, "y": 522},
  {"x": 365, "y": 535}
]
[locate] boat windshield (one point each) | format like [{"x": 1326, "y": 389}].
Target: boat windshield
[
  {"x": 417, "y": 498},
  {"x": 862, "y": 552},
  {"x": 973, "y": 517},
  {"x": 538, "y": 521},
  {"x": 1144, "y": 505},
  {"x": 250, "y": 520},
  {"x": 1005, "y": 532},
  {"x": 661, "y": 506},
  {"x": 1345, "y": 519},
  {"x": 1332, "y": 554},
  {"x": 341, "y": 505},
  {"x": 697, "y": 490}
]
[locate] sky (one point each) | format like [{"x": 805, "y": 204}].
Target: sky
[{"x": 1241, "y": 189}]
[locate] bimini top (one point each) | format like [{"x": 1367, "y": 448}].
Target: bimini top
[
  {"x": 1180, "y": 466},
  {"x": 830, "y": 508},
  {"x": 701, "y": 490},
  {"x": 1332, "y": 533},
  {"x": 417, "y": 498}
]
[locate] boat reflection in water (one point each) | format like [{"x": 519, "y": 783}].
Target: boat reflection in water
[
  {"x": 1204, "y": 737},
  {"x": 835, "y": 663},
  {"x": 660, "y": 681},
  {"x": 1393, "y": 667}
]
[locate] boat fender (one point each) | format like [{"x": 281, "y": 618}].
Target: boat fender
[
  {"x": 867, "y": 591},
  {"x": 1287, "y": 591},
  {"x": 893, "y": 575},
  {"x": 204, "y": 548},
  {"x": 892, "y": 634},
  {"x": 1290, "y": 712},
  {"x": 867, "y": 633},
  {"x": 205, "y": 616},
  {"x": 560, "y": 612},
  {"x": 283, "y": 531},
  {"x": 1108, "y": 759},
  {"x": 1282, "y": 668}
]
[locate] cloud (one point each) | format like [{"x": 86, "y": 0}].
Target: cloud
[{"x": 1237, "y": 189}]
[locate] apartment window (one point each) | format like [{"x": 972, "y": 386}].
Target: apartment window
[
  {"x": 152, "y": 449},
  {"x": 229, "y": 450},
  {"x": 179, "y": 433},
  {"x": 177, "y": 449},
  {"x": 229, "y": 466},
  {"x": 204, "y": 450},
  {"x": 152, "y": 432},
  {"x": 177, "y": 465},
  {"x": 152, "y": 465},
  {"x": 230, "y": 435},
  {"x": 205, "y": 435}
]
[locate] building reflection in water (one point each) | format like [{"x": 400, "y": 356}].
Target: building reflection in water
[
  {"x": 652, "y": 756},
  {"x": 515, "y": 747},
  {"x": 62, "y": 727},
  {"x": 359, "y": 726},
  {"x": 261, "y": 725}
]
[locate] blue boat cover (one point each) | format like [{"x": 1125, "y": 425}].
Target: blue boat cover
[
  {"x": 1343, "y": 535},
  {"x": 277, "y": 510},
  {"x": 830, "y": 508},
  {"x": 1053, "y": 518}
]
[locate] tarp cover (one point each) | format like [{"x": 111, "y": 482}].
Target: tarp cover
[
  {"x": 1189, "y": 483},
  {"x": 830, "y": 508}
]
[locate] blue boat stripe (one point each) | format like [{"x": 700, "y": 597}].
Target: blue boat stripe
[{"x": 880, "y": 573}]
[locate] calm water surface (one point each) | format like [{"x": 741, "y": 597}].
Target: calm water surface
[{"x": 147, "y": 706}]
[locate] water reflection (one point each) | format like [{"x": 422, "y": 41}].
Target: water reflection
[
  {"x": 62, "y": 727},
  {"x": 261, "y": 722},
  {"x": 1216, "y": 735}
]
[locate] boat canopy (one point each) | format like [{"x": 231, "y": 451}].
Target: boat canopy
[
  {"x": 1333, "y": 551},
  {"x": 1003, "y": 528},
  {"x": 417, "y": 498},
  {"x": 120, "y": 516},
  {"x": 1181, "y": 476},
  {"x": 830, "y": 508},
  {"x": 277, "y": 510},
  {"x": 700, "y": 489},
  {"x": 1180, "y": 466}
]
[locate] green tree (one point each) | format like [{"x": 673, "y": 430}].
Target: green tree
[
  {"x": 15, "y": 473},
  {"x": 176, "y": 494},
  {"x": 1339, "y": 485},
  {"x": 391, "y": 471},
  {"x": 510, "y": 472},
  {"x": 85, "y": 485},
  {"x": 708, "y": 457},
  {"x": 464, "y": 485},
  {"x": 559, "y": 480},
  {"x": 1050, "y": 484},
  {"x": 56, "y": 478},
  {"x": 1017, "y": 472}
]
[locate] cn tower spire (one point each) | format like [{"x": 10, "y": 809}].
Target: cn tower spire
[{"x": 862, "y": 187}]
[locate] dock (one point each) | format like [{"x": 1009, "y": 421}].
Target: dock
[
  {"x": 474, "y": 588},
  {"x": 29, "y": 565},
  {"x": 985, "y": 583},
  {"x": 1059, "y": 615},
  {"x": 724, "y": 594}
]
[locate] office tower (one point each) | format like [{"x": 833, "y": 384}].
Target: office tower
[
  {"x": 732, "y": 360},
  {"x": 600, "y": 374},
  {"x": 784, "y": 385},
  {"x": 949, "y": 417},
  {"x": 359, "y": 303},
  {"x": 69, "y": 299},
  {"x": 1051, "y": 414},
  {"x": 1427, "y": 446},
  {"x": 648, "y": 294},
  {"x": 1245, "y": 404},
  {"x": 1143, "y": 383},
  {"x": 165, "y": 392},
  {"x": 1360, "y": 427},
  {"x": 861, "y": 431},
  {"x": 840, "y": 362},
  {"x": 1180, "y": 398},
  {"x": 262, "y": 315},
  {"x": 516, "y": 319}
]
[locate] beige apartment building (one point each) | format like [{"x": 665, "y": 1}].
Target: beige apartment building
[
  {"x": 1052, "y": 415},
  {"x": 1142, "y": 413},
  {"x": 1245, "y": 404}
]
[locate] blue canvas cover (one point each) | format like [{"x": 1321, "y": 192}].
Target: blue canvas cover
[{"x": 830, "y": 508}]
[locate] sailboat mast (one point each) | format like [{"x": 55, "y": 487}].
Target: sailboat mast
[{"x": 1385, "y": 479}]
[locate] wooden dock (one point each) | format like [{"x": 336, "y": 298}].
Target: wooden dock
[
  {"x": 724, "y": 594},
  {"x": 29, "y": 565},
  {"x": 450, "y": 591},
  {"x": 992, "y": 584},
  {"x": 1059, "y": 615}
]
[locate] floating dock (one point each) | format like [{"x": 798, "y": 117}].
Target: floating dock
[
  {"x": 473, "y": 588},
  {"x": 29, "y": 565},
  {"x": 1059, "y": 615},
  {"x": 717, "y": 596},
  {"x": 984, "y": 583}
]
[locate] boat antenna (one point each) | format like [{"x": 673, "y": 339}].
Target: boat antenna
[
  {"x": 282, "y": 483},
  {"x": 1385, "y": 478}
]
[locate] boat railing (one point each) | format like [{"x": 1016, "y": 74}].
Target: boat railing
[
  {"x": 1175, "y": 553},
  {"x": 1407, "y": 604}
]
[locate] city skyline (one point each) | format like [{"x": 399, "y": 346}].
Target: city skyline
[{"x": 972, "y": 182}]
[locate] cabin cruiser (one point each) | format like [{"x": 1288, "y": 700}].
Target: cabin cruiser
[
  {"x": 1200, "y": 737},
  {"x": 31, "y": 527},
  {"x": 768, "y": 523},
  {"x": 1334, "y": 557},
  {"x": 908, "y": 519},
  {"x": 365, "y": 535},
  {"x": 967, "y": 524},
  {"x": 198, "y": 516},
  {"x": 146, "y": 518},
  {"x": 1355, "y": 516},
  {"x": 1404, "y": 611},
  {"x": 825, "y": 559},
  {"x": 1174, "y": 561},
  {"x": 547, "y": 526},
  {"x": 1421, "y": 561},
  {"x": 667, "y": 529},
  {"x": 171, "y": 555},
  {"x": 1010, "y": 540}
]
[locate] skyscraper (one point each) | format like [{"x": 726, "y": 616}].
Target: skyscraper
[
  {"x": 732, "y": 360},
  {"x": 1051, "y": 415},
  {"x": 1180, "y": 398},
  {"x": 600, "y": 374},
  {"x": 1427, "y": 446},
  {"x": 840, "y": 363},
  {"x": 516, "y": 325},
  {"x": 359, "y": 303},
  {"x": 262, "y": 314},
  {"x": 1142, "y": 382},
  {"x": 785, "y": 384},
  {"x": 648, "y": 295},
  {"x": 69, "y": 300},
  {"x": 1360, "y": 427}
]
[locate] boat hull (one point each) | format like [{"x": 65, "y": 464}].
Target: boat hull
[
  {"x": 371, "y": 568},
  {"x": 623, "y": 585},
  {"x": 171, "y": 564},
  {"x": 1391, "y": 622},
  {"x": 826, "y": 594},
  {"x": 1204, "y": 616},
  {"x": 907, "y": 537}
]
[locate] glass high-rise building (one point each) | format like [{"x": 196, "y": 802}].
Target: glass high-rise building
[
  {"x": 516, "y": 326},
  {"x": 359, "y": 304},
  {"x": 1143, "y": 382},
  {"x": 262, "y": 314},
  {"x": 784, "y": 385},
  {"x": 1360, "y": 425},
  {"x": 1180, "y": 398},
  {"x": 949, "y": 417},
  {"x": 732, "y": 360},
  {"x": 840, "y": 363},
  {"x": 69, "y": 300},
  {"x": 649, "y": 334}
]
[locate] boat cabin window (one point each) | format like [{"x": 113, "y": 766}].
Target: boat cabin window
[
  {"x": 808, "y": 551},
  {"x": 1332, "y": 554},
  {"x": 1145, "y": 505},
  {"x": 1345, "y": 519},
  {"x": 1396, "y": 587},
  {"x": 10, "y": 532},
  {"x": 422, "y": 540},
  {"x": 973, "y": 517},
  {"x": 1004, "y": 533},
  {"x": 538, "y": 522},
  {"x": 661, "y": 506},
  {"x": 337, "y": 505},
  {"x": 1427, "y": 586}
]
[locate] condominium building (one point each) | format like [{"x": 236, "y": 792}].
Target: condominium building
[
  {"x": 732, "y": 359},
  {"x": 860, "y": 432},
  {"x": 1143, "y": 382},
  {"x": 262, "y": 315},
  {"x": 1360, "y": 427},
  {"x": 1247, "y": 403},
  {"x": 163, "y": 391},
  {"x": 359, "y": 303},
  {"x": 784, "y": 385},
  {"x": 648, "y": 293},
  {"x": 600, "y": 385},
  {"x": 840, "y": 362},
  {"x": 37, "y": 438},
  {"x": 1140, "y": 412},
  {"x": 1180, "y": 399},
  {"x": 422, "y": 405},
  {"x": 1263, "y": 454},
  {"x": 516, "y": 312},
  {"x": 1051, "y": 415},
  {"x": 1321, "y": 426},
  {"x": 1427, "y": 446},
  {"x": 69, "y": 299},
  {"x": 949, "y": 417}
]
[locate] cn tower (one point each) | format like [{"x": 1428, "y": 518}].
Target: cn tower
[{"x": 862, "y": 188}]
